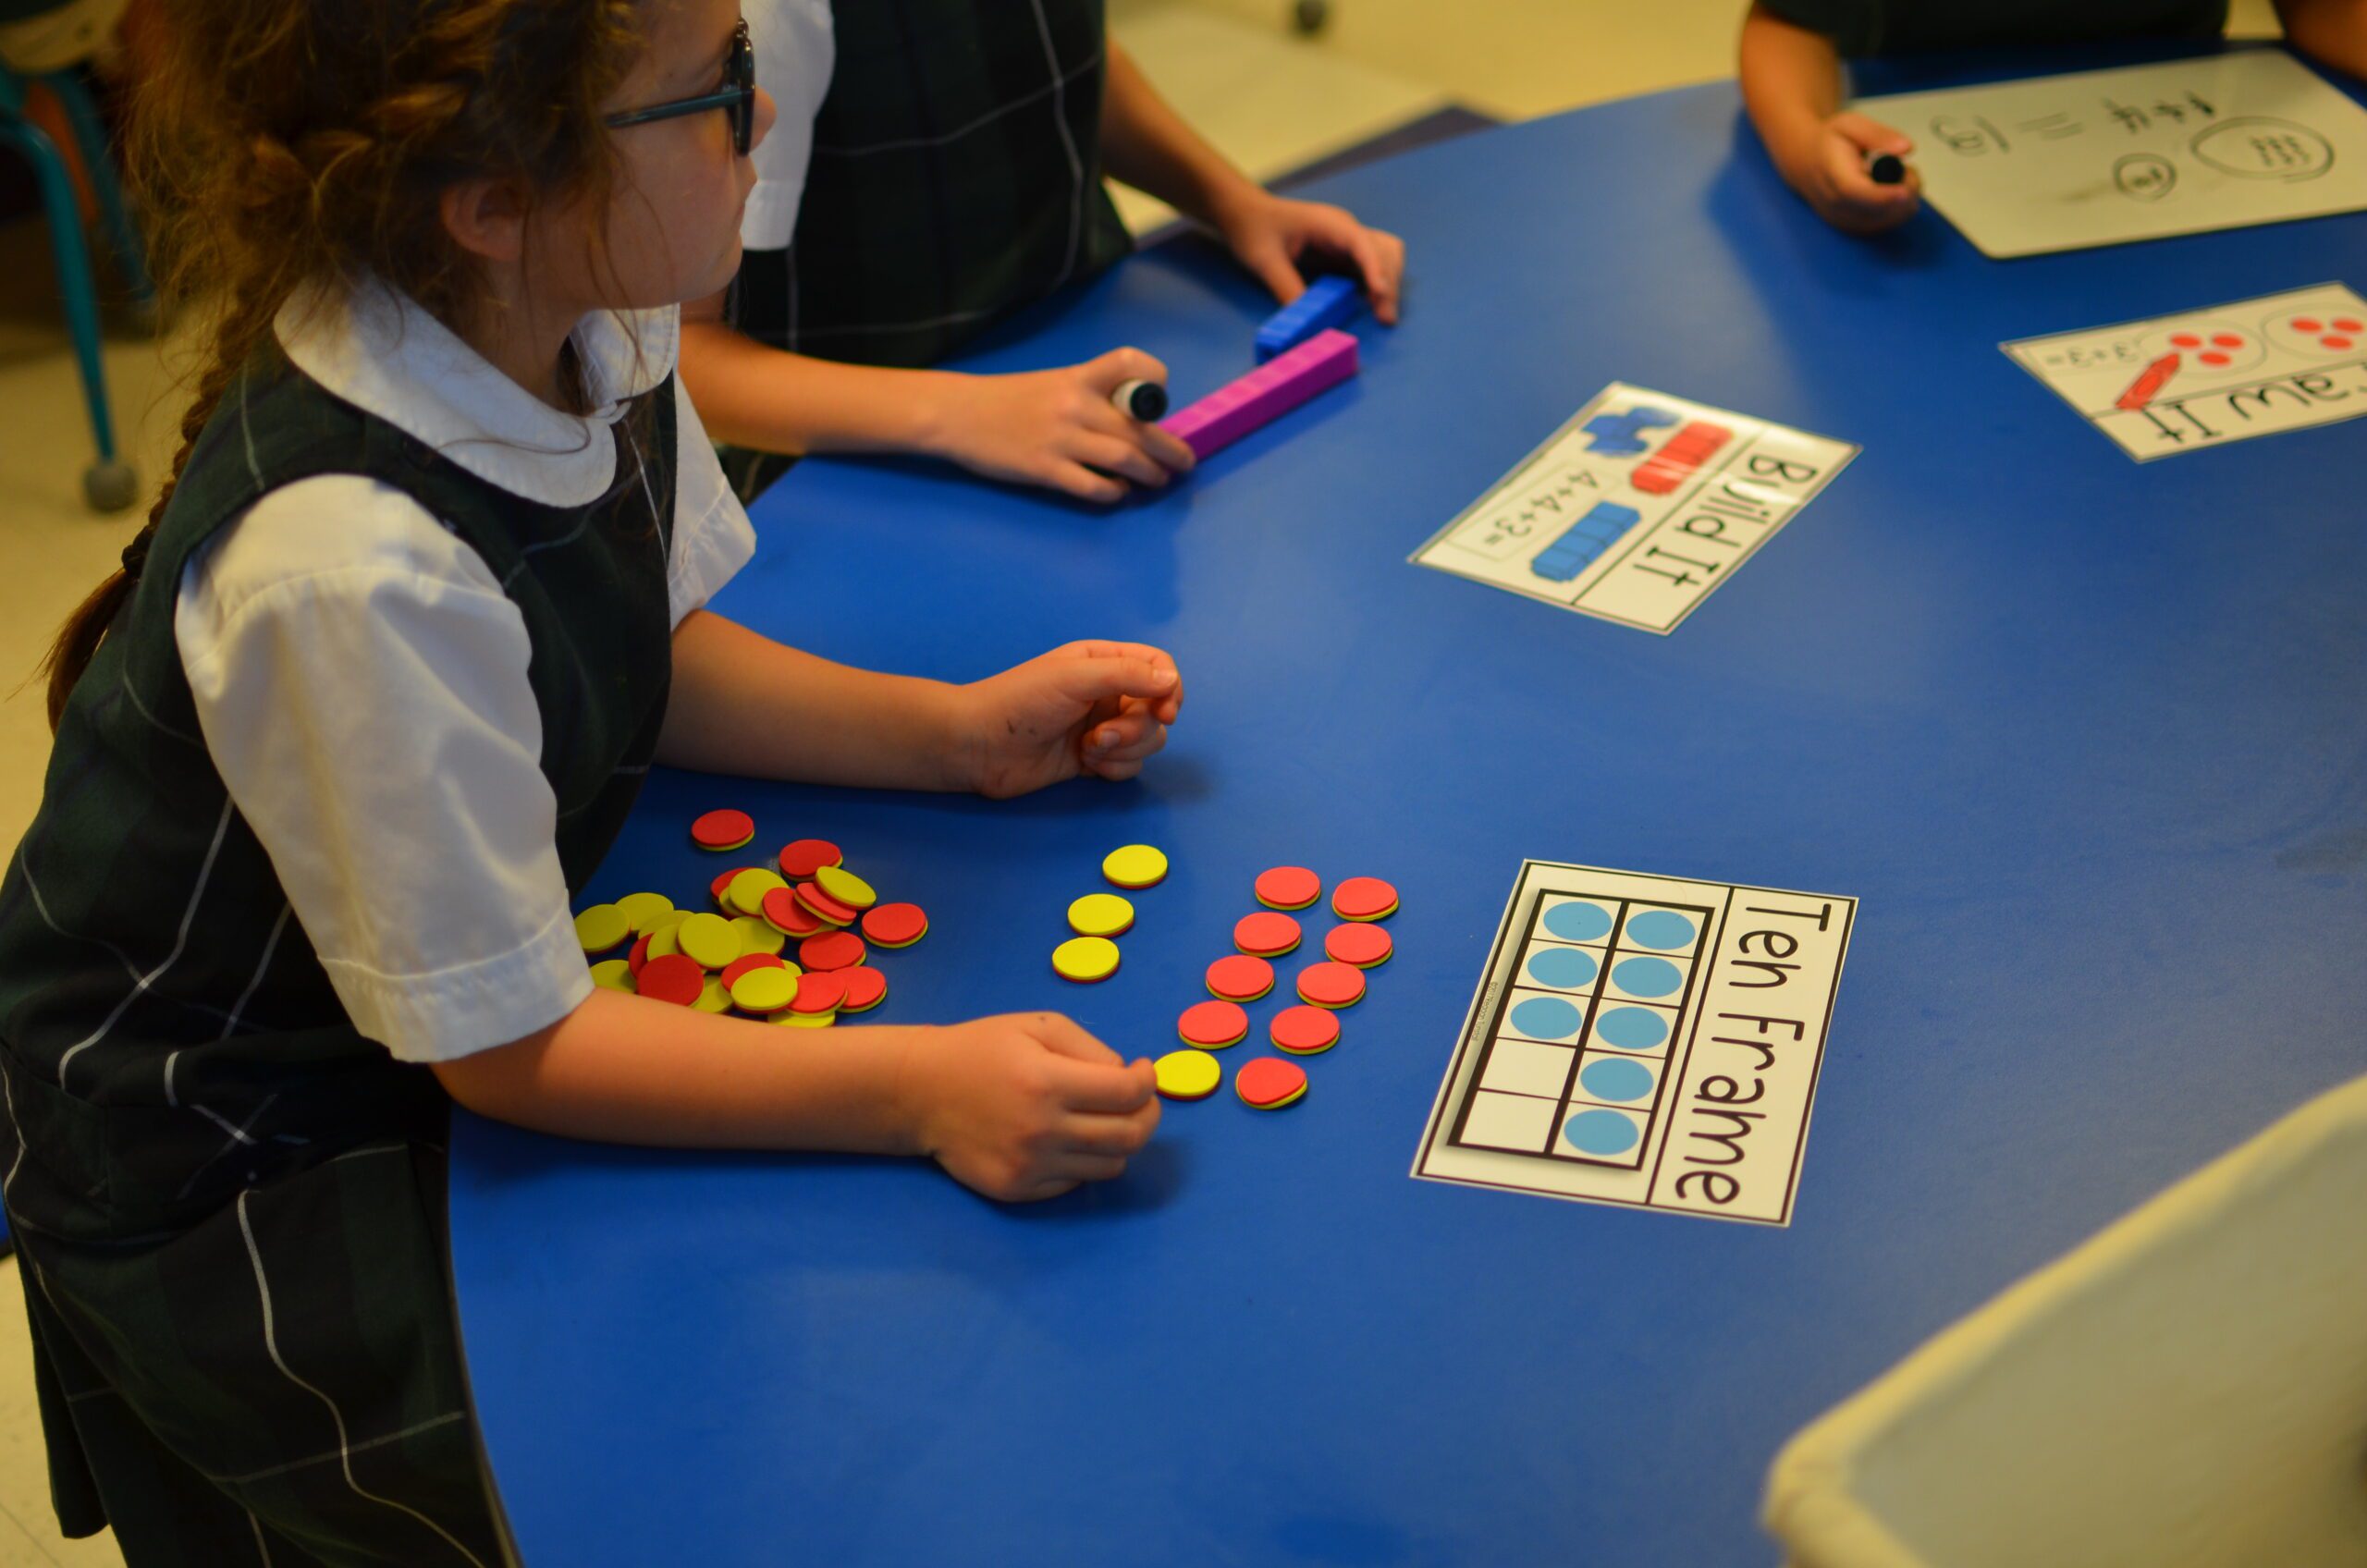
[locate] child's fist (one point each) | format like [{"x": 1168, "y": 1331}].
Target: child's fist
[
  {"x": 1058, "y": 428},
  {"x": 1027, "y": 1104},
  {"x": 1089, "y": 708},
  {"x": 1832, "y": 174}
]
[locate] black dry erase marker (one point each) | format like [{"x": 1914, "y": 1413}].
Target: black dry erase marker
[
  {"x": 1145, "y": 400},
  {"x": 1886, "y": 168}
]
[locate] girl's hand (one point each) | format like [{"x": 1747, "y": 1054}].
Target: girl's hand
[
  {"x": 1087, "y": 707},
  {"x": 1057, "y": 428},
  {"x": 1270, "y": 235},
  {"x": 1829, "y": 171},
  {"x": 1025, "y": 1105}
]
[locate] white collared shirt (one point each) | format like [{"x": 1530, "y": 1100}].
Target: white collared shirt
[
  {"x": 360, "y": 678},
  {"x": 796, "y": 50}
]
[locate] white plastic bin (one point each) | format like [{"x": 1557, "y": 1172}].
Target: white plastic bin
[{"x": 2188, "y": 1388}]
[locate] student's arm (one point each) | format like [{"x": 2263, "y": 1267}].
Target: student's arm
[
  {"x": 743, "y": 704},
  {"x": 2332, "y": 32},
  {"x": 1790, "y": 84},
  {"x": 1147, "y": 145},
  {"x": 1020, "y": 1106},
  {"x": 1055, "y": 428}
]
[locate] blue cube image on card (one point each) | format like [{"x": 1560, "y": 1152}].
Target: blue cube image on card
[
  {"x": 1584, "y": 540},
  {"x": 1621, "y": 436}
]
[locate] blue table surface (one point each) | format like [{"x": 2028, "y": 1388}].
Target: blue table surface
[{"x": 2085, "y": 736}]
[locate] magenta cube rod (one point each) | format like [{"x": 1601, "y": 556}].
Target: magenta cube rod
[{"x": 1264, "y": 395}]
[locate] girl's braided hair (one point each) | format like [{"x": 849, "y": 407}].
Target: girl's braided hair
[{"x": 280, "y": 145}]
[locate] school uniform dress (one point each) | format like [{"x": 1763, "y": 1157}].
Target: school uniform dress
[
  {"x": 1862, "y": 29},
  {"x": 953, "y": 177},
  {"x": 387, "y": 687}
]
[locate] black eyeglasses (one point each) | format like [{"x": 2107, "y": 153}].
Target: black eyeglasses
[{"x": 736, "y": 97}]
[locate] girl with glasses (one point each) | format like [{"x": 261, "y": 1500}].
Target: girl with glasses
[{"x": 370, "y": 699}]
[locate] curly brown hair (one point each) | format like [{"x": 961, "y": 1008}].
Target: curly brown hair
[{"x": 281, "y": 145}]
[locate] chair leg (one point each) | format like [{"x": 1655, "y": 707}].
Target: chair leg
[
  {"x": 91, "y": 141},
  {"x": 109, "y": 484}
]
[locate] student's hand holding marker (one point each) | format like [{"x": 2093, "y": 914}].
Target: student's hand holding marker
[
  {"x": 1838, "y": 172},
  {"x": 1058, "y": 428},
  {"x": 1027, "y": 1105},
  {"x": 1093, "y": 707},
  {"x": 1272, "y": 234}
]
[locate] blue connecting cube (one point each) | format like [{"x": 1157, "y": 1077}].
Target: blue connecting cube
[
  {"x": 1617, "y": 436},
  {"x": 1584, "y": 540},
  {"x": 1328, "y": 302}
]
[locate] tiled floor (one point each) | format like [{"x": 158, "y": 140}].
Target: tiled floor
[
  {"x": 29, "y": 1537},
  {"x": 1269, "y": 98}
]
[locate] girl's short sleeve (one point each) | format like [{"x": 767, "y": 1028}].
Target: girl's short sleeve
[
  {"x": 713, "y": 538},
  {"x": 796, "y": 51},
  {"x": 360, "y": 681}
]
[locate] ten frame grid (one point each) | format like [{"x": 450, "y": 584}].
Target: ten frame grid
[{"x": 1703, "y": 916}]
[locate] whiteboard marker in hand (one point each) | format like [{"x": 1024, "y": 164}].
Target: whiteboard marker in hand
[{"x": 1886, "y": 168}]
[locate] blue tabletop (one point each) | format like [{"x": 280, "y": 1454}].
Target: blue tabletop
[{"x": 2085, "y": 737}]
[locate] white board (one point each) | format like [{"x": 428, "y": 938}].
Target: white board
[{"x": 2062, "y": 163}]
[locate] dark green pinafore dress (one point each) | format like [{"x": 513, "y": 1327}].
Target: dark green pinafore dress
[
  {"x": 956, "y": 178},
  {"x": 230, "y": 1205}
]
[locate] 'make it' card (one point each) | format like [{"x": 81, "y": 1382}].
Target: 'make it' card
[{"x": 2173, "y": 384}]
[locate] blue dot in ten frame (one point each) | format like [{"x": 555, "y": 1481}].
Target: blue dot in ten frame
[
  {"x": 1630, "y": 1028},
  {"x": 1577, "y": 922},
  {"x": 1616, "y": 1078},
  {"x": 1660, "y": 928},
  {"x": 1546, "y": 1018},
  {"x": 1646, "y": 976},
  {"x": 1565, "y": 967},
  {"x": 1599, "y": 1132}
]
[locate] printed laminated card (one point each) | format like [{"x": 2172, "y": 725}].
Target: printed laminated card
[
  {"x": 2176, "y": 384},
  {"x": 1638, "y": 508},
  {"x": 2062, "y": 163},
  {"x": 1648, "y": 1041}
]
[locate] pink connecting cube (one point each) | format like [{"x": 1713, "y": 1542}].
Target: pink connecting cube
[{"x": 1265, "y": 394}]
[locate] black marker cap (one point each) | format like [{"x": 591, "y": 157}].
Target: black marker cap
[
  {"x": 1145, "y": 400},
  {"x": 1886, "y": 168}
]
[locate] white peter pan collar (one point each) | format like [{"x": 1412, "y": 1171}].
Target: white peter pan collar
[{"x": 384, "y": 354}]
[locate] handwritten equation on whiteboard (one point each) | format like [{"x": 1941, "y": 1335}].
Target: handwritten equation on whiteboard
[{"x": 2063, "y": 162}]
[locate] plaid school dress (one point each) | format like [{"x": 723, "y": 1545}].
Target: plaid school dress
[
  {"x": 955, "y": 178},
  {"x": 229, "y": 1203}
]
